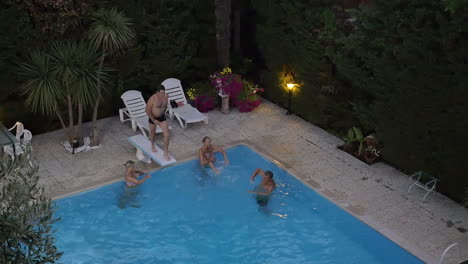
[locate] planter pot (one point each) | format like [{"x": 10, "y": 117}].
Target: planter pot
[
  {"x": 371, "y": 140},
  {"x": 224, "y": 104},
  {"x": 369, "y": 157},
  {"x": 366, "y": 157}
]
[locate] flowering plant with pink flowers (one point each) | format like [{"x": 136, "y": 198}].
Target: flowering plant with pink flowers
[
  {"x": 244, "y": 94},
  {"x": 227, "y": 83},
  {"x": 205, "y": 103}
]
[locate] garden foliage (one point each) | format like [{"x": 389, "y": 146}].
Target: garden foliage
[
  {"x": 26, "y": 214},
  {"x": 399, "y": 67},
  {"x": 292, "y": 42},
  {"x": 174, "y": 39},
  {"x": 396, "y": 68}
]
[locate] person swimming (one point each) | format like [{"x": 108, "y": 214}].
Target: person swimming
[
  {"x": 131, "y": 175},
  {"x": 265, "y": 188},
  {"x": 206, "y": 154},
  {"x": 129, "y": 193}
]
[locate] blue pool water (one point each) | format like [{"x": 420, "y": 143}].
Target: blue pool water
[{"x": 186, "y": 214}]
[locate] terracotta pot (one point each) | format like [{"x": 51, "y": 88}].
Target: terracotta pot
[
  {"x": 371, "y": 140},
  {"x": 369, "y": 157}
]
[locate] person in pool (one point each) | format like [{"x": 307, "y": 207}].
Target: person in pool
[
  {"x": 265, "y": 188},
  {"x": 131, "y": 175},
  {"x": 207, "y": 154}
]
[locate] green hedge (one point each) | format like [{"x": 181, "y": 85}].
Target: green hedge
[
  {"x": 394, "y": 67},
  {"x": 175, "y": 39}
]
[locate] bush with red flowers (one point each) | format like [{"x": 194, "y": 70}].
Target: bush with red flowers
[
  {"x": 248, "y": 99},
  {"x": 227, "y": 83},
  {"x": 244, "y": 94},
  {"x": 205, "y": 103}
]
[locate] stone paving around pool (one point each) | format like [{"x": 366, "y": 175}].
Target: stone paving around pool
[{"x": 375, "y": 194}]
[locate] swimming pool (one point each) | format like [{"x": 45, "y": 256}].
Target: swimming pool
[{"x": 185, "y": 214}]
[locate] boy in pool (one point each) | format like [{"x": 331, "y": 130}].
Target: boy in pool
[
  {"x": 131, "y": 175},
  {"x": 265, "y": 188},
  {"x": 207, "y": 154}
]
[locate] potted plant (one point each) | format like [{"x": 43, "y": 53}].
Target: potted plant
[
  {"x": 363, "y": 148},
  {"x": 228, "y": 85},
  {"x": 371, "y": 152},
  {"x": 354, "y": 142}
]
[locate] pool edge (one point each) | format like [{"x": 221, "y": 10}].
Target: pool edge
[{"x": 315, "y": 186}]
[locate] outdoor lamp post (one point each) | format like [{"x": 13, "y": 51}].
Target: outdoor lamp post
[{"x": 290, "y": 90}]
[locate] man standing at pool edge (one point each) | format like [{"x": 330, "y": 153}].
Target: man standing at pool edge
[
  {"x": 156, "y": 111},
  {"x": 265, "y": 188}
]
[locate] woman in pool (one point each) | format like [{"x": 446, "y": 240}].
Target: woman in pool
[
  {"x": 131, "y": 175},
  {"x": 129, "y": 194},
  {"x": 207, "y": 154}
]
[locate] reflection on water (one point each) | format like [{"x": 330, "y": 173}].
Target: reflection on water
[{"x": 128, "y": 197}]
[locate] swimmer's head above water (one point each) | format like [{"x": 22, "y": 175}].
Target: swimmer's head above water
[
  {"x": 206, "y": 141},
  {"x": 269, "y": 174},
  {"x": 129, "y": 164}
]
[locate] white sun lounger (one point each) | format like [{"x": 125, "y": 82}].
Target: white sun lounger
[
  {"x": 185, "y": 114},
  {"x": 144, "y": 152},
  {"x": 135, "y": 111},
  {"x": 23, "y": 136}
]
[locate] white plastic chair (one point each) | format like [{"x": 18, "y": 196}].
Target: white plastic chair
[
  {"x": 185, "y": 114},
  {"x": 135, "y": 112},
  {"x": 24, "y": 137},
  {"x": 423, "y": 181}
]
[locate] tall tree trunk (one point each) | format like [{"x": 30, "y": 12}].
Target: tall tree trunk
[
  {"x": 79, "y": 132},
  {"x": 237, "y": 29},
  {"x": 65, "y": 129},
  {"x": 223, "y": 32},
  {"x": 70, "y": 115},
  {"x": 94, "y": 131}
]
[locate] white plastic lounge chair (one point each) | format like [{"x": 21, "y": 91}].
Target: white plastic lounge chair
[
  {"x": 185, "y": 114},
  {"x": 135, "y": 111},
  {"x": 144, "y": 152},
  {"x": 24, "y": 137}
]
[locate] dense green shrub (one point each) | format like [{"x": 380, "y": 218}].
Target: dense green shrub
[
  {"x": 26, "y": 214},
  {"x": 394, "y": 67},
  {"x": 408, "y": 60},
  {"x": 291, "y": 39},
  {"x": 175, "y": 39}
]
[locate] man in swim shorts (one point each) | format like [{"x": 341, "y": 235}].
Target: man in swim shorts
[
  {"x": 265, "y": 188},
  {"x": 156, "y": 111},
  {"x": 206, "y": 154}
]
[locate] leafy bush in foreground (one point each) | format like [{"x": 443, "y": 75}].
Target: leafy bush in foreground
[{"x": 26, "y": 214}]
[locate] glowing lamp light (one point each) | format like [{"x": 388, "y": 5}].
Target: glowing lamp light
[{"x": 290, "y": 90}]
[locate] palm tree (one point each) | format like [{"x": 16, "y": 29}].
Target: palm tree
[
  {"x": 112, "y": 33},
  {"x": 42, "y": 86},
  {"x": 223, "y": 31},
  {"x": 88, "y": 77},
  {"x": 68, "y": 75},
  {"x": 63, "y": 55},
  {"x": 77, "y": 65}
]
